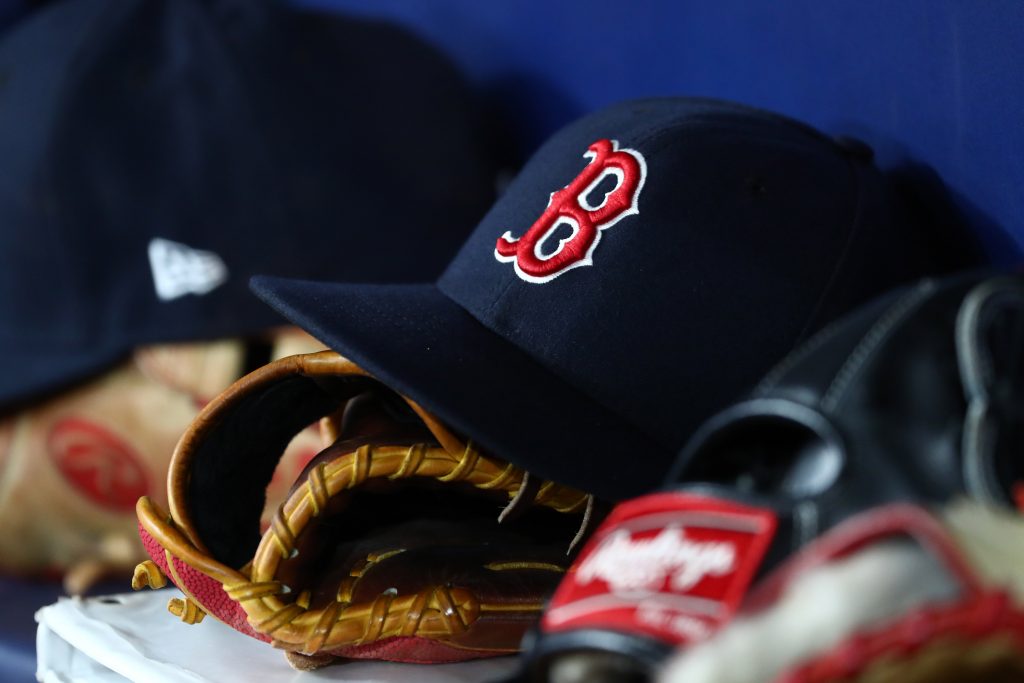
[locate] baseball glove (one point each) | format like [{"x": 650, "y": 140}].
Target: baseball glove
[
  {"x": 399, "y": 541},
  {"x": 73, "y": 464},
  {"x": 897, "y": 593},
  {"x": 917, "y": 397}
]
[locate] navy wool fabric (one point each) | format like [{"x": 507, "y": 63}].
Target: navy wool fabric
[
  {"x": 279, "y": 141},
  {"x": 751, "y": 231}
]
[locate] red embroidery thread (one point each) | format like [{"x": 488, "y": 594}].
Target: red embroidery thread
[{"x": 570, "y": 206}]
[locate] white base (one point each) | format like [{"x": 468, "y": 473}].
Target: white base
[{"x": 133, "y": 637}]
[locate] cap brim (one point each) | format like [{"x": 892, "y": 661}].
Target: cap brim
[
  {"x": 33, "y": 373},
  {"x": 424, "y": 345}
]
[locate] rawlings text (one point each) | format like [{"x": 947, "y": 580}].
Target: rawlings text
[{"x": 628, "y": 565}]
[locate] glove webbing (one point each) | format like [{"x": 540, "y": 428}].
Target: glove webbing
[{"x": 432, "y": 612}]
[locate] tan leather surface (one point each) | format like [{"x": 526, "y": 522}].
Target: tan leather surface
[
  {"x": 73, "y": 464},
  {"x": 349, "y": 559}
]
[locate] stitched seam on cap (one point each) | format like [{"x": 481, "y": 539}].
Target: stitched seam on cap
[
  {"x": 825, "y": 333},
  {"x": 256, "y": 123},
  {"x": 83, "y": 58},
  {"x": 853, "y": 231}
]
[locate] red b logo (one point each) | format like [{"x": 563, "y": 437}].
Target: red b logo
[{"x": 571, "y": 206}]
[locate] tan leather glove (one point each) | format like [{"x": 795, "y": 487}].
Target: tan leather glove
[
  {"x": 399, "y": 541},
  {"x": 73, "y": 466}
]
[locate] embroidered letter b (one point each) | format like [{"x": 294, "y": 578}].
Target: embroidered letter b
[{"x": 534, "y": 259}]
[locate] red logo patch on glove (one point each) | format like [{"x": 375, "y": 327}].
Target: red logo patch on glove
[
  {"x": 674, "y": 566},
  {"x": 97, "y": 464}
]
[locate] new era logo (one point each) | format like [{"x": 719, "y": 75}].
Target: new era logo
[{"x": 179, "y": 269}]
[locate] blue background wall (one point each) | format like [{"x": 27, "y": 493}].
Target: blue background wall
[{"x": 931, "y": 84}]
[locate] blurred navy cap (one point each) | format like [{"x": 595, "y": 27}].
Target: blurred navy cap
[
  {"x": 649, "y": 263},
  {"x": 156, "y": 153}
]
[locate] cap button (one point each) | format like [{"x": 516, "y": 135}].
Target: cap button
[{"x": 855, "y": 149}]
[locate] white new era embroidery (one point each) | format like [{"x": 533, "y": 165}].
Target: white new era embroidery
[
  {"x": 628, "y": 565},
  {"x": 179, "y": 269}
]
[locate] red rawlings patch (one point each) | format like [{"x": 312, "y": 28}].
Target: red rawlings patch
[
  {"x": 674, "y": 566},
  {"x": 97, "y": 464},
  {"x": 571, "y": 206}
]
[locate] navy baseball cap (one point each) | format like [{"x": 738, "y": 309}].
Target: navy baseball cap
[
  {"x": 647, "y": 265},
  {"x": 154, "y": 154}
]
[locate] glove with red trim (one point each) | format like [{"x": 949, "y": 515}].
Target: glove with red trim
[
  {"x": 893, "y": 594},
  {"x": 917, "y": 397},
  {"x": 73, "y": 464},
  {"x": 399, "y": 541}
]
